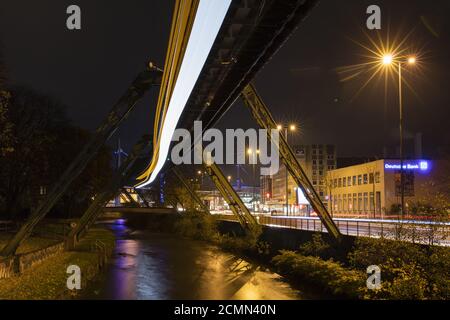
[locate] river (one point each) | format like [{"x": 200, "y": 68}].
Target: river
[{"x": 155, "y": 266}]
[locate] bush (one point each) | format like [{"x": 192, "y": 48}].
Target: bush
[
  {"x": 249, "y": 243},
  {"x": 328, "y": 275},
  {"x": 318, "y": 247},
  {"x": 197, "y": 225},
  {"x": 370, "y": 251},
  {"x": 408, "y": 271}
]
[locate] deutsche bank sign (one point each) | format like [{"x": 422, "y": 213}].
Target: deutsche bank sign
[{"x": 417, "y": 165}]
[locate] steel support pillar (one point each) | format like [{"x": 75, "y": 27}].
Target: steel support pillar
[
  {"x": 238, "y": 208},
  {"x": 192, "y": 192},
  {"x": 130, "y": 198},
  {"x": 173, "y": 200},
  {"x": 114, "y": 188},
  {"x": 264, "y": 118},
  {"x": 144, "y": 81},
  {"x": 141, "y": 195}
]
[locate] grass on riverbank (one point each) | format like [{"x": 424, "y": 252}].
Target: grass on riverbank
[
  {"x": 48, "y": 279},
  {"x": 29, "y": 245}
]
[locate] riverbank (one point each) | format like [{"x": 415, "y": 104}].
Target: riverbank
[
  {"x": 48, "y": 279},
  {"x": 409, "y": 271},
  {"x": 29, "y": 245}
]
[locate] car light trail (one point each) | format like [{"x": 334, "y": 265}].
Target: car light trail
[{"x": 208, "y": 20}]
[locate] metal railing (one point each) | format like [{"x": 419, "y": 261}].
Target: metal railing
[
  {"x": 99, "y": 247},
  {"x": 429, "y": 232},
  {"x": 6, "y": 226}
]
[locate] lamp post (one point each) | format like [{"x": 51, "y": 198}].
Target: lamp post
[
  {"x": 254, "y": 155},
  {"x": 389, "y": 60},
  {"x": 200, "y": 173},
  {"x": 291, "y": 128}
]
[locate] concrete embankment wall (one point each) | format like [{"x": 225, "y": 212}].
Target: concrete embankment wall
[
  {"x": 18, "y": 264},
  {"x": 125, "y": 210},
  {"x": 286, "y": 238}
]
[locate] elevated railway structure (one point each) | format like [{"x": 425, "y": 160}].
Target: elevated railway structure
[{"x": 215, "y": 49}]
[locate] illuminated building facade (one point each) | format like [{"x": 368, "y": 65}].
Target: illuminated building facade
[
  {"x": 316, "y": 160},
  {"x": 373, "y": 189}
]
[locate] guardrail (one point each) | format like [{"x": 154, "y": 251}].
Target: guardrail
[
  {"x": 99, "y": 247},
  {"x": 6, "y": 226},
  {"x": 428, "y": 232}
]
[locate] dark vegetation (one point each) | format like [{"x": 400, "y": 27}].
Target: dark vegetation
[{"x": 37, "y": 143}]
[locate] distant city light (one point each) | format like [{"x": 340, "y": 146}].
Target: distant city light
[
  {"x": 412, "y": 60},
  {"x": 301, "y": 197}
]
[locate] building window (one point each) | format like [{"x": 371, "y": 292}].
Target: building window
[
  {"x": 344, "y": 182},
  {"x": 372, "y": 209},
  {"x": 335, "y": 183},
  {"x": 377, "y": 177},
  {"x": 355, "y": 201},
  {"x": 371, "y": 180},
  {"x": 360, "y": 204},
  {"x": 366, "y": 202},
  {"x": 365, "y": 179},
  {"x": 344, "y": 208},
  {"x": 359, "y": 180},
  {"x": 349, "y": 181},
  {"x": 340, "y": 182},
  {"x": 314, "y": 182},
  {"x": 354, "y": 181}
]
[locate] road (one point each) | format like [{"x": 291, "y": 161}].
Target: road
[{"x": 425, "y": 232}]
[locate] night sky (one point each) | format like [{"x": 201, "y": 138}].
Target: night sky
[{"x": 88, "y": 70}]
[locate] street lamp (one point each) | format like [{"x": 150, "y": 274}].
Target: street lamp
[
  {"x": 291, "y": 128},
  {"x": 200, "y": 173},
  {"x": 388, "y": 60},
  {"x": 255, "y": 157}
]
